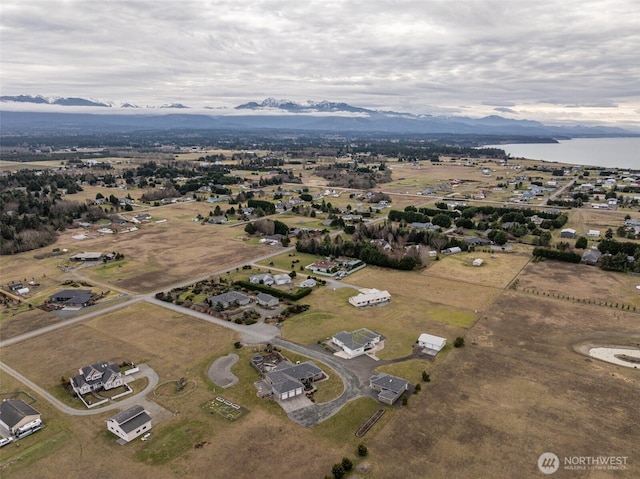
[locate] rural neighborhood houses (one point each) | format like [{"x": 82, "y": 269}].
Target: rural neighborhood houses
[
  {"x": 356, "y": 343},
  {"x": 17, "y": 419},
  {"x": 130, "y": 423},
  {"x": 389, "y": 387},
  {"x": 369, "y": 297},
  {"x": 225, "y": 300}
]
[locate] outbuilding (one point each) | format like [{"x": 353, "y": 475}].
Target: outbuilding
[
  {"x": 130, "y": 423},
  {"x": 431, "y": 342}
]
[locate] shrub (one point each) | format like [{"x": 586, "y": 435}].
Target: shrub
[
  {"x": 425, "y": 377},
  {"x": 459, "y": 342},
  {"x": 237, "y": 344},
  {"x": 362, "y": 450},
  {"x": 347, "y": 464},
  {"x": 338, "y": 471},
  {"x": 417, "y": 389}
]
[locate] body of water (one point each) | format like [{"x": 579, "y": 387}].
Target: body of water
[{"x": 605, "y": 152}]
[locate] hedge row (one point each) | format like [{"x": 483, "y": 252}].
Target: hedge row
[
  {"x": 566, "y": 256},
  {"x": 302, "y": 292}
]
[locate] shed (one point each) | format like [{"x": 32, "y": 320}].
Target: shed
[
  {"x": 478, "y": 262},
  {"x": 429, "y": 341},
  {"x": 130, "y": 423}
]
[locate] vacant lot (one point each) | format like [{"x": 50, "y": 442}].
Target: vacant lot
[
  {"x": 497, "y": 270},
  {"x": 520, "y": 391},
  {"x": 583, "y": 282}
]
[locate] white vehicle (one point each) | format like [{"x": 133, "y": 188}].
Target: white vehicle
[{"x": 146, "y": 436}]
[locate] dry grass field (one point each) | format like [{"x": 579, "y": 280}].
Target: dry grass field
[
  {"x": 401, "y": 321},
  {"x": 492, "y": 408},
  {"x": 580, "y": 282}
]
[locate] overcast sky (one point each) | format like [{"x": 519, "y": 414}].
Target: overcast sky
[{"x": 573, "y": 60}]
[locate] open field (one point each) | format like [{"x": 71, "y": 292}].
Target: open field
[
  {"x": 497, "y": 270},
  {"x": 542, "y": 396},
  {"x": 421, "y": 289},
  {"x": 401, "y": 321},
  {"x": 582, "y": 282}
]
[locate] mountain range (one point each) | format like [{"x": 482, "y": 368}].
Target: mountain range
[{"x": 273, "y": 114}]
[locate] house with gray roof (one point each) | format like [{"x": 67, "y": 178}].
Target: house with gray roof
[
  {"x": 100, "y": 375},
  {"x": 19, "y": 418},
  {"x": 130, "y": 423},
  {"x": 267, "y": 300},
  {"x": 389, "y": 387},
  {"x": 229, "y": 298},
  {"x": 72, "y": 298},
  {"x": 288, "y": 380},
  {"x": 358, "y": 342},
  {"x": 591, "y": 256},
  {"x": 265, "y": 278}
]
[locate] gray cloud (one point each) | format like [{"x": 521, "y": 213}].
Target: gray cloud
[{"x": 383, "y": 54}]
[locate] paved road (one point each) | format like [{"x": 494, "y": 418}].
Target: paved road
[
  {"x": 145, "y": 371},
  {"x": 353, "y": 388},
  {"x": 64, "y": 323}
]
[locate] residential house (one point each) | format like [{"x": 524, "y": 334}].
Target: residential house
[
  {"x": 308, "y": 283},
  {"x": 217, "y": 220},
  {"x": 431, "y": 342},
  {"x": 261, "y": 279},
  {"x": 229, "y": 298},
  {"x": 591, "y": 256},
  {"x": 358, "y": 342},
  {"x": 19, "y": 417},
  {"x": 100, "y": 375},
  {"x": 130, "y": 423},
  {"x": 281, "y": 279},
  {"x": 288, "y": 380},
  {"x": 267, "y": 300},
  {"x": 475, "y": 241},
  {"x": 87, "y": 256},
  {"x": 72, "y": 298},
  {"x": 324, "y": 266},
  {"x": 389, "y": 387},
  {"x": 368, "y": 297}
]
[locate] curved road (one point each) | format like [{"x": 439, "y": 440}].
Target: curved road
[
  {"x": 145, "y": 371},
  {"x": 316, "y": 413}
]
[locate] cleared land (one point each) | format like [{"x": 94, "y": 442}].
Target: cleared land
[{"x": 542, "y": 396}]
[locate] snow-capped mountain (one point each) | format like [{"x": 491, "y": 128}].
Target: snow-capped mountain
[
  {"x": 307, "y": 107},
  {"x": 62, "y": 101}
]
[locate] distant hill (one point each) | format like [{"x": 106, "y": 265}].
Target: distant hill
[
  {"x": 71, "y": 101},
  {"x": 309, "y": 116}
]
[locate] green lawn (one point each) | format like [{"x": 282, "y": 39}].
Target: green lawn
[{"x": 171, "y": 441}]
